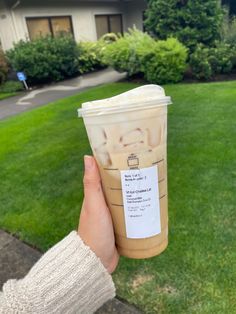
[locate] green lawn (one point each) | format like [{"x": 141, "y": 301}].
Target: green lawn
[
  {"x": 41, "y": 169},
  {"x": 6, "y": 95}
]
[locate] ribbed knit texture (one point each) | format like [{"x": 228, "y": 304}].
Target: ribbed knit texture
[{"x": 69, "y": 278}]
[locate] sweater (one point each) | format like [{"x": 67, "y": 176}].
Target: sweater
[{"x": 69, "y": 278}]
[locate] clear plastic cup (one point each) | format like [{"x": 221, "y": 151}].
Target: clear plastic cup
[{"x": 128, "y": 135}]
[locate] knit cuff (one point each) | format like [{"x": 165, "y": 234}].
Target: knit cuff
[{"x": 69, "y": 278}]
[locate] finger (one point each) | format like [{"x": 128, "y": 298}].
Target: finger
[{"x": 93, "y": 194}]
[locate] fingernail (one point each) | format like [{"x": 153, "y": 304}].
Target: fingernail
[{"x": 88, "y": 162}]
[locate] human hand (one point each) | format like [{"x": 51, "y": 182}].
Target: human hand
[{"x": 95, "y": 226}]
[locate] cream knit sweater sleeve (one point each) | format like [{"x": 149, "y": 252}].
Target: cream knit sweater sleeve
[{"x": 69, "y": 278}]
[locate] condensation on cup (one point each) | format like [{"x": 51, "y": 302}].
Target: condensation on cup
[{"x": 128, "y": 135}]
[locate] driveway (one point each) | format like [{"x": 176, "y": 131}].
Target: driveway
[{"x": 42, "y": 96}]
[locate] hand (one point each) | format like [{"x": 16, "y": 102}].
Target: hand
[{"x": 95, "y": 226}]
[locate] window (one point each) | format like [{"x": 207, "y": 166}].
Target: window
[
  {"x": 42, "y": 26},
  {"x": 108, "y": 24}
]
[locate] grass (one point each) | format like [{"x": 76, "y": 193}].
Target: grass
[
  {"x": 41, "y": 192},
  {"x": 6, "y": 95}
]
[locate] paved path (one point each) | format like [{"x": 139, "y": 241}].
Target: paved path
[
  {"x": 35, "y": 98},
  {"x": 16, "y": 258}
]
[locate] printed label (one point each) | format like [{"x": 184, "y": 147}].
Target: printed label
[{"x": 141, "y": 202}]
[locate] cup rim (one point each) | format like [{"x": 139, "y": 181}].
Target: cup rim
[{"x": 98, "y": 111}]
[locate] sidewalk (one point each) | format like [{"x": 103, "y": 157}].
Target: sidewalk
[
  {"x": 42, "y": 96},
  {"x": 16, "y": 258}
]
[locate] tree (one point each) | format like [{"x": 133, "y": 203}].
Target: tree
[{"x": 191, "y": 21}]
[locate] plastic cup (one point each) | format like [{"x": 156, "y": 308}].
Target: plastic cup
[{"x": 128, "y": 135}]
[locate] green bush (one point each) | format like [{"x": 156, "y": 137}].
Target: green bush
[
  {"x": 191, "y": 21},
  {"x": 206, "y": 62},
  {"x": 11, "y": 87},
  {"x": 109, "y": 38},
  {"x": 165, "y": 62},
  {"x": 3, "y": 67},
  {"x": 90, "y": 53},
  {"x": 136, "y": 52},
  {"x": 199, "y": 63},
  {"x": 45, "y": 59},
  {"x": 126, "y": 52},
  {"x": 90, "y": 56}
]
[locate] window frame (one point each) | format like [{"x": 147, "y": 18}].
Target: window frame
[
  {"x": 109, "y": 23},
  {"x": 49, "y": 18}
]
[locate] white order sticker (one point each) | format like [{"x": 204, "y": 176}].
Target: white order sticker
[{"x": 141, "y": 202}]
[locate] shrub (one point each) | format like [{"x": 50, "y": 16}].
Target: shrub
[
  {"x": 109, "y": 38},
  {"x": 199, "y": 63},
  {"x": 45, "y": 59},
  {"x": 90, "y": 55},
  {"x": 136, "y": 52},
  {"x": 3, "y": 67},
  {"x": 165, "y": 62},
  {"x": 191, "y": 21},
  {"x": 126, "y": 52},
  {"x": 206, "y": 62},
  {"x": 88, "y": 59},
  {"x": 11, "y": 87}
]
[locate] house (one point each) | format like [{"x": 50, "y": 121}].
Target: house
[{"x": 86, "y": 20}]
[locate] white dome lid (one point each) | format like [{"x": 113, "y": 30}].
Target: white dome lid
[{"x": 130, "y": 100}]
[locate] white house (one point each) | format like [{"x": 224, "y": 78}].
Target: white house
[{"x": 86, "y": 20}]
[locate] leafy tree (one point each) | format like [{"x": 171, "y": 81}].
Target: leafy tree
[{"x": 191, "y": 21}]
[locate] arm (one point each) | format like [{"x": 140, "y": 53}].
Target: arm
[
  {"x": 69, "y": 276},
  {"x": 73, "y": 276}
]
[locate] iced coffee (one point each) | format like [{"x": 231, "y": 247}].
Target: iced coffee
[{"x": 128, "y": 134}]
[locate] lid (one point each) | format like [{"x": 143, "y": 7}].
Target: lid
[{"x": 145, "y": 97}]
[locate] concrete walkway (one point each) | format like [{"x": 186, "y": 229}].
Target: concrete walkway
[
  {"x": 35, "y": 98},
  {"x": 16, "y": 258}
]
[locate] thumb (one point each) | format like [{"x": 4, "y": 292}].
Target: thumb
[{"x": 93, "y": 194}]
